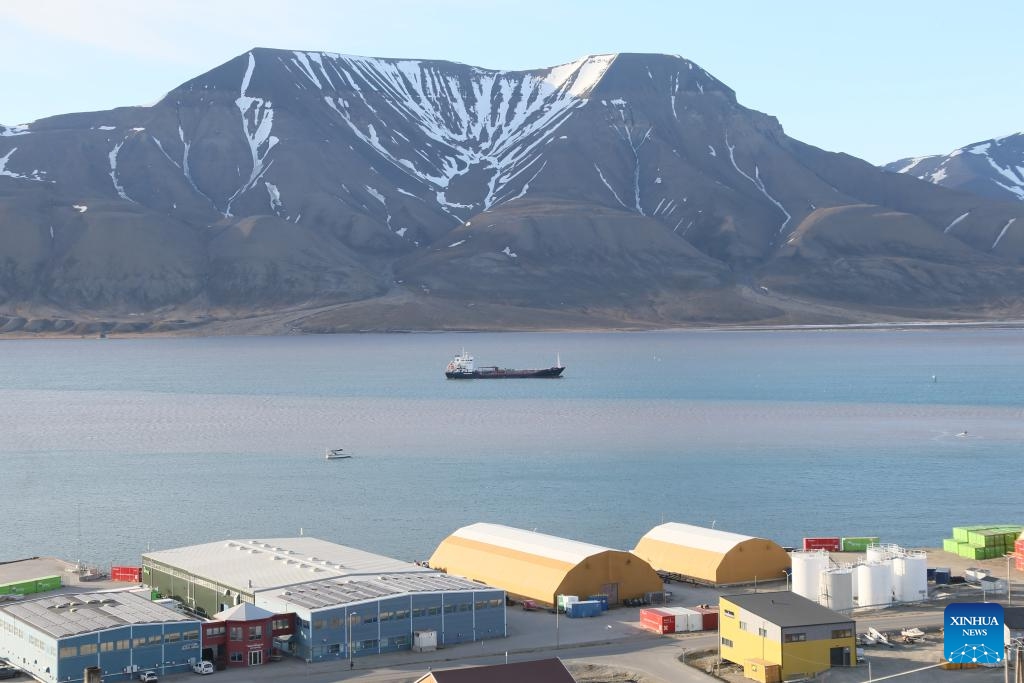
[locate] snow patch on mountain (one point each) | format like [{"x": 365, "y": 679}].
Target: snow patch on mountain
[
  {"x": 35, "y": 175},
  {"x": 1002, "y": 232},
  {"x": 758, "y": 183},
  {"x": 10, "y": 131},
  {"x": 257, "y": 122}
]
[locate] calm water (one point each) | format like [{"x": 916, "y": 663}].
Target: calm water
[{"x": 112, "y": 447}]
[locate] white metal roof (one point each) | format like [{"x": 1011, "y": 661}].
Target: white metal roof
[
  {"x": 277, "y": 562},
  {"x": 67, "y": 615},
  {"x": 530, "y": 542},
  {"x": 702, "y": 538},
  {"x": 333, "y": 593}
]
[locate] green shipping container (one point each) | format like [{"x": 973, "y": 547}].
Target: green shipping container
[
  {"x": 961, "y": 533},
  {"x": 973, "y": 552},
  {"x": 857, "y": 544},
  {"x": 950, "y": 545},
  {"x": 41, "y": 585}
]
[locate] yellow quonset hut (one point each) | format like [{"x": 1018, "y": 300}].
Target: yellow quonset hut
[
  {"x": 712, "y": 556},
  {"x": 781, "y": 635},
  {"x": 540, "y": 567}
]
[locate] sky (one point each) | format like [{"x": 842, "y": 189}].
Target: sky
[{"x": 879, "y": 80}]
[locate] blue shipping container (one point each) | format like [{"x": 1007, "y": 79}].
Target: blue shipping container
[
  {"x": 584, "y": 608},
  {"x": 942, "y": 576},
  {"x": 930, "y": 574},
  {"x": 601, "y": 598}
]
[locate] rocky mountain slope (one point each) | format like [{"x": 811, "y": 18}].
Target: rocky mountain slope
[{"x": 310, "y": 191}]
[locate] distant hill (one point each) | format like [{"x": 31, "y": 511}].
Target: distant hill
[
  {"x": 992, "y": 168},
  {"x": 304, "y": 191}
]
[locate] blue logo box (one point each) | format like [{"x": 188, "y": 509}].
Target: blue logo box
[{"x": 973, "y": 633}]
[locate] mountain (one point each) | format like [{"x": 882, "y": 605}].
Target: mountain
[
  {"x": 289, "y": 190},
  {"x": 992, "y": 168}
]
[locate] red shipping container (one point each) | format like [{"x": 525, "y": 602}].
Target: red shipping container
[
  {"x": 659, "y": 621},
  {"x": 824, "y": 543},
  {"x": 129, "y": 574},
  {"x": 709, "y": 615}
]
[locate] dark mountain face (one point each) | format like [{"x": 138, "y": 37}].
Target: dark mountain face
[
  {"x": 993, "y": 168},
  {"x": 346, "y": 192}
]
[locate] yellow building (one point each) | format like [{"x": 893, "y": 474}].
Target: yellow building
[
  {"x": 781, "y": 635},
  {"x": 712, "y": 556},
  {"x": 540, "y": 567}
]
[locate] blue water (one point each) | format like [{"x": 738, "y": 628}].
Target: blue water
[{"x": 112, "y": 447}]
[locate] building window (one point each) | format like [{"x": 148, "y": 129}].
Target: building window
[
  {"x": 107, "y": 647},
  {"x": 281, "y": 624},
  {"x": 318, "y": 624},
  {"x": 419, "y": 612},
  {"x": 87, "y": 649},
  {"x": 123, "y": 644},
  {"x": 743, "y": 626},
  {"x": 449, "y": 608},
  {"x": 236, "y": 633},
  {"x": 763, "y": 632},
  {"x": 190, "y": 635},
  {"x": 236, "y": 657},
  {"x": 172, "y": 637},
  {"x": 402, "y": 614},
  {"x": 69, "y": 651},
  {"x": 155, "y": 639},
  {"x": 795, "y": 637},
  {"x": 434, "y": 611},
  {"x": 255, "y": 632},
  {"x": 730, "y": 613},
  {"x": 139, "y": 642},
  {"x": 335, "y": 649},
  {"x": 215, "y": 631},
  {"x": 726, "y": 642},
  {"x": 843, "y": 633},
  {"x": 335, "y": 622}
]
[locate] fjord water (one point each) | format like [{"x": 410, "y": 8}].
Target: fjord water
[{"x": 112, "y": 447}]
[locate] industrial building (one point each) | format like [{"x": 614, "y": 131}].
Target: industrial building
[
  {"x": 780, "y": 635},
  {"x": 346, "y": 602},
  {"x": 540, "y": 567},
  {"x": 58, "y": 637},
  {"x": 539, "y": 671},
  {"x": 711, "y": 556}
]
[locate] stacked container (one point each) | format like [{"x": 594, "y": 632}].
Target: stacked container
[
  {"x": 1018, "y": 550},
  {"x": 583, "y": 608},
  {"x": 709, "y": 615},
  {"x": 983, "y": 541},
  {"x": 657, "y": 619}
]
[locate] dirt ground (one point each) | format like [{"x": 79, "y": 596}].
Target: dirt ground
[{"x": 593, "y": 673}]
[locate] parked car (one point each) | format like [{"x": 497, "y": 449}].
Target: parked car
[
  {"x": 8, "y": 672},
  {"x": 204, "y": 667},
  {"x": 148, "y": 677}
]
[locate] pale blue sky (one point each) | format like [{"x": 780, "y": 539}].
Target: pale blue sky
[{"x": 878, "y": 80}]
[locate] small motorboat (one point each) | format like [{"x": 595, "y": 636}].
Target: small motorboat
[{"x": 336, "y": 454}]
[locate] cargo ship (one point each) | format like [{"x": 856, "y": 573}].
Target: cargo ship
[{"x": 462, "y": 367}]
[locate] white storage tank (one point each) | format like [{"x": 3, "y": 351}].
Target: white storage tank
[
  {"x": 880, "y": 552},
  {"x": 874, "y": 584},
  {"x": 910, "y": 575},
  {"x": 806, "y": 573},
  {"x": 837, "y": 589}
]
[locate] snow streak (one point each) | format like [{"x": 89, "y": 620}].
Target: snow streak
[
  {"x": 113, "y": 171},
  {"x": 756, "y": 180},
  {"x": 1003, "y": 232},
  {"x": 955, "y": 221},
  {"x": 257, "y": 120},
  {"x": 36, "y": 175}
]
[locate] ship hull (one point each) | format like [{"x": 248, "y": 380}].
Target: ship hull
[{"x": 505, "y": 373}]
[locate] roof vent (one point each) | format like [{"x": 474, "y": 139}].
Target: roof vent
[
  {"x": 314, "y": 559},
  {"x": 278, "y": 557}
]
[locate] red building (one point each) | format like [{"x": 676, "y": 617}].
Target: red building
[{"x": 244, "y": 635}]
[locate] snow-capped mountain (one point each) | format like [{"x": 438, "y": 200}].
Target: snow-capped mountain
[
  {"x": 992, "y": 168},
  {"x": 376, "y": 193}
]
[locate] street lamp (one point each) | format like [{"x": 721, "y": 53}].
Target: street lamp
[
  {"x": 785, "y": 573},
  {"x": 1009, "y": 602},
  {"x": 556, "y": 623},
  {"x": 351, "y": 640}
]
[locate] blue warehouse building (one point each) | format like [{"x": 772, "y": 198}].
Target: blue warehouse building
[
  {"x": 347, "y": 602},
  {"x": 57, "y": 638}
]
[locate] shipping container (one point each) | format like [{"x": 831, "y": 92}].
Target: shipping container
[
  {"x": 951, "y": 545},
  {"x": 857, "y": 544},
  {"x": 583, "y": 608},
  {"x": 602, "y": 598},
  {"x": 942, "y": 576},
  {"x": 832, "y": 544},
  {"x": 40, "y": 585},
  {"x": 563, "y": 602},
  {"x": 657, "y": 620},
  {"x": 687, "y": 619},
  {"x": 709, "y": 616},
  {"x": 129, "y": 574}
]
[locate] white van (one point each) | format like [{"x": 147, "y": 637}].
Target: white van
[{"x": 204, "y": 667}]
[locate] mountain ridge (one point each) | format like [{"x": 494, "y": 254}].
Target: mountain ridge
[{"x": 622, "y": 186}]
